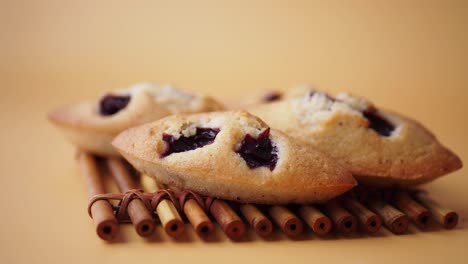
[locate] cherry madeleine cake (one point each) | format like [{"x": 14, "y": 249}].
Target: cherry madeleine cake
[
  {"x": 92, "y": 125},
  {"x": 235, "y": 156},
  {"x": 379, "y": 147}
]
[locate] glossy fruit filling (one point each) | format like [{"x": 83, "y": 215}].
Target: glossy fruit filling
[
  {"x": 272, "y": 96},
  {"x": 202, "y": 137},
  {"x": 380, "y": 125},
  {"x": 111, "y": 104},
  {"x": 258, "y": 152}
]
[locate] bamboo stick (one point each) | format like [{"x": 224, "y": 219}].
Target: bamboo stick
[
  {"x": 344, "y": 221},
  {"x": 414, "y": 210},
  {"x": 259, "y": 222},
  {"x": 167, "y": 212},
  {"x": 105, "y": 222},
  {"x": 286, "y": 220},
  {"x": 170, "y": 218},
  {"x": 137, "y": 211},
  {"x": 393, "y": 219},
  {"x": 369, "y": 221},
  {"x": 200, "y": 221},
  {"x": 444, "y": 216},
  {"x": 318, "y": 222},
  {"x": 229, "y": 221}
]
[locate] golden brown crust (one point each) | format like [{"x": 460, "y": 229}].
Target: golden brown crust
[
  {"x": 301, "y": 174},
  {"x": 88, "y": 130},
  {"x": 411, "y": 155}
]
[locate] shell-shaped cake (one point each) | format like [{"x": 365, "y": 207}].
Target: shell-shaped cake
[
  {"x": 92, "y": 125},
  {"x": 379, "y": 147},
  {"x": 235, "y": 156}
]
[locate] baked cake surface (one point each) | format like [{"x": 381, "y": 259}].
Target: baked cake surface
[
  {"x": 379, "y": 147},
  {"x": 92, "y": 125},
  {"x": 235, "y": 156}
]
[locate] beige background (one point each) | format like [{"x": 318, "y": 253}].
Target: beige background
[{"x": 405, "y": 55}]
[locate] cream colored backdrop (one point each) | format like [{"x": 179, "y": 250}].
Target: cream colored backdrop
[{"x": 410, "y": 56}]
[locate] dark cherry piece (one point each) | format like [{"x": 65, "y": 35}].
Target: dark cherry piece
[
  {"x": 203, "y": 137},
  {"x": 272, "y": 96},
  {"x": 380, "y": 125},
  {"x": 259, "y": 151},
  {"x": 111, "y": 104}
]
